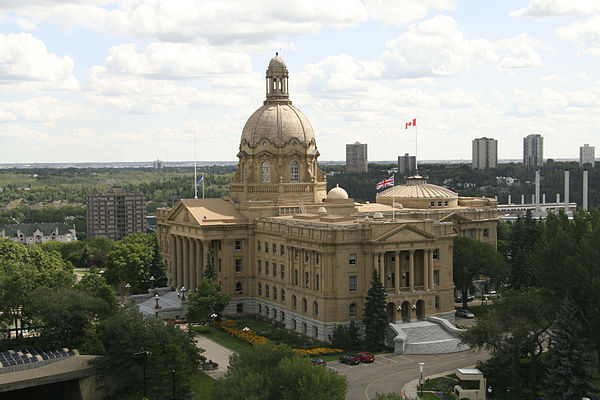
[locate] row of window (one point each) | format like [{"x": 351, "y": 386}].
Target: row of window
[
  {"x": 259, "y": 247},
  {"x": 265, "y": 172},
  {"x": 268, "y": 270}
]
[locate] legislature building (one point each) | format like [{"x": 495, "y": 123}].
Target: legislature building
[{"x": 287, "y": 249}]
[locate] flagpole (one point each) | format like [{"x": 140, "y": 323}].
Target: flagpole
[
  {"x": 416, "y": 153},
  {"x": 202, "y": 185},
  {"x": 195, "y": 174}
]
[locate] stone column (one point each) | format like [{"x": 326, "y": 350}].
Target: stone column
[
  {"x": 426, "y": 269},
  {"x": 179, "y": 261},
  {"x": 411, "y": 268},
  {"x": 173, "y": 261},
  {"x": 397, "y": 271},
  {"x": 431, "y": 269},
  {"x": 193, "y": 256},
  {"x": 199, "y": 263},
  {"x": 186, "y": 265}
]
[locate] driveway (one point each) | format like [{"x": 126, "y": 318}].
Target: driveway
[{"x": 389, "y": 372}]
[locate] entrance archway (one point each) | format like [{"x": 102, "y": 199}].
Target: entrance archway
[
  {"x": 420, "y": 310},
  {"x": 391, "y": 312},
  {"x": 405, "y": 311}
]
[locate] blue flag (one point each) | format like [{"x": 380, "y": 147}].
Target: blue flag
[{"x": 200, "y": 181}]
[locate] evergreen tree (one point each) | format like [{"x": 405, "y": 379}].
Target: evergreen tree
[
  {"x": 157, "y": 267},
  {"x": 569, "y": 374},
  {"x": 209, "y": 270},
  {"x": 375, "y": 319}
]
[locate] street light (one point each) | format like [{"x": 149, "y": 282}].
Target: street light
[
  {"x": 127, "y": 286},
  {"x": 421, "y": 381},
  {"x": 173, "y": 381},
  {"x": 143, "y": 353},
  {"x": 183, "y": 293},
  {"x": 152, "y": 282},
  {"x": 246, "y": 329}
]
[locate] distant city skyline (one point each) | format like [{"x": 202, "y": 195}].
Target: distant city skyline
[{"x": 117, "y": 81}]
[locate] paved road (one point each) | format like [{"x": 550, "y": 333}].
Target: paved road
[
  {"x": 389, "y": 373},
  {"x": 214, "y": 352}
]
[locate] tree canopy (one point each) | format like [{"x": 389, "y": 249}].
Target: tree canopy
[
  {"x": 205, "y": 301},
  {"x": 375, "y": 319}
]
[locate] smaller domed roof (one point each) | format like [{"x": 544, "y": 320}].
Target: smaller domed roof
[
  {"x": 277, "y": 62},
  {"x": 321, "y": 210},
  {"x": 337, "y": 193},
  {"x": 417, "y": 188}
]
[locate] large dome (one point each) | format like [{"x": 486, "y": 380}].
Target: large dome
[
  {"x": 417, "y": 193},
  {"x": 279, "y": 124}
]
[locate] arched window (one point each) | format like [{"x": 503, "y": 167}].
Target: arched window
[
  {"x": 294, "y": 302},
  {"x": 243, "y": 172},
  {"x": 315, "y": 308},
  {"x": 283, "y": 295},
  {"x": 294, "y": 175},
  {"x": 260, "y": 289},
  {"x": 304, "y": 305},
  {"x": 238, "y": 288},
  {"x": 274, "y": 293},
  {"x": 282, "y": 316},
  {"x": 265, "y": 172},
  {"x": 267, "y": 292},
  {"x": 352, "y": 310},
  {"x": 315, "y": 331}
]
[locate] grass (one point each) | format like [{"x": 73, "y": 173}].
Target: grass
[
  {"x": 201, "y": 386},
  {"x": 222, "y": 338}
]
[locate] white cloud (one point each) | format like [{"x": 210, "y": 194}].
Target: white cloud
[
  {"x": 399, "y": 12},
  {"x": 44, "y": 109},
  {"x": 21, "y": 134},
  {"x": 26, "y": 65},
  {"x": 518, "y": 52},
  {"x": 557, "y": 8},
  {"x": 216, "y": 21},
  {"x": 584, "y": 33}
]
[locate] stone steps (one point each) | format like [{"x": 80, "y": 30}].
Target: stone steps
[{"x": 426, "y": 337}]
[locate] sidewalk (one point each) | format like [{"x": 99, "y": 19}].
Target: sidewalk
[{"x": 214, "y": 352}]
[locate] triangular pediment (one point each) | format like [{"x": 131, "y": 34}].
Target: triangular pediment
[
  {"x": 180, "y": 213},
  {"x": 404, "y": 233},
  {"x": 454, "y": 217}
]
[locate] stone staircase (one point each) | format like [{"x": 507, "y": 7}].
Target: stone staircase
[{"x": 425, "y": 337}]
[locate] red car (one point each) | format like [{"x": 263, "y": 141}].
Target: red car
[
  {"x": 350, "y": 359},
  {"x": 319, "y": 361},
  {"x": 366, "y": 357}
]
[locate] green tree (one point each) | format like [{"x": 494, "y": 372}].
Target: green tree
[
  {"x": 132, "y": 261},
  {"x": 269, "y": 372},
  {"x": 524, "y": 235},
  {"x": 346, "y": 336},
  {"x": 209, "y": 270},
  {"x": 157, "y": 267},
  {"x": 472, "y": 258},
  {"x": 205, "y": 301},
  {"x": 569, "y": 374},
  {"x": 375, "y": 318},
  {"x": 22, "y": 270},
  {"x": 126, "y": 332},
  {"x": 96, "y": 286}
]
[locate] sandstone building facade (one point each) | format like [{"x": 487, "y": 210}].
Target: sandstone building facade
[{"x": 287, "y": 249}]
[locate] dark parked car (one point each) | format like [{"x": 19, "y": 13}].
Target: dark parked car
[
  {"x": 350, "y": 359},
  {"x": 366, "y": 357},
  {"x": 319, "y": 361}
]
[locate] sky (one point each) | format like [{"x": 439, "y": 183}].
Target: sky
[{"x": 137, "y": 80}]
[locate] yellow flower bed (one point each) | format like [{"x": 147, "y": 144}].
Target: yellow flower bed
[
  {"x": 248, "y": 337},
  {"x": 319, "y": 351}
]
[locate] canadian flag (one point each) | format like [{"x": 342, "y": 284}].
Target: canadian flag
[{"x": 413, "y": 123}]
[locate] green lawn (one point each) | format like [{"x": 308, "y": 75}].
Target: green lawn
[
  {"x": 201, "y": 386},
  {"x": 222, "y": 338}
]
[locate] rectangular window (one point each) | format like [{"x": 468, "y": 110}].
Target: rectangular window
[
  {"x": 436, "y": 277},
  {"x": 296, "y": 254},
  {"x": 240, "y": 308},
  {"x": 317, "y": 258},
  {"x": 274, "y": 248},
  {"x": 352, "y": 259},
  {"x": 439, "y": 203},
  {"x": 296, "y": 276},
  {"x": 306, "y": 256},
  {"x": 266, "y": 247},
  {"x": 352, "y": 283},
  {"x": 436, "y": 254},
  {"x": 219, "y": 264},
  {"x": 486, "y": 232},
  {"x": 470, "y": 233},
  {"x": 282, "y": 250},
  {"x": 258, "y": 246},
  {"x": 282, "y": 271},
  {"x": 317, "y": 281},
  {"x": 266, "y": 268},
  {"x": 238, "y": 244},
  {"x": 306, "y": 281},
  {"x": 274, "y": 270},
  {"x": 259, "y": 267},
  {"x": 432, "y": 204},
  {"x": 238, "y": 265}
]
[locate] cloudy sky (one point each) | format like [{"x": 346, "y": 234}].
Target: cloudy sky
[{"x": 133, "y": 80}]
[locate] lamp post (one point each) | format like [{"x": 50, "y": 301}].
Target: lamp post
[
  {"x": 246, "y": 329},
  {"x": 173, "y": 381},
  {"x": 421, "y": 382},
  {"x": 183, "y": 293},
  {"x": 152, "y": 282},
  {"x": 127, "y": 287}
]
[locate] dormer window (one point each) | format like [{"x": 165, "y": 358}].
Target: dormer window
[
  {"x": 293, "y": 143},
  {"x": 294, "y": 174},
  {"x": 265, "y": 143},
  {"x": 265, "y": 172}
]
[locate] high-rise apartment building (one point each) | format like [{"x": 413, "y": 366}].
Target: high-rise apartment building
[
  {"x": 533, "y": 150},
  {"x": 356, "y": 157},
  {"x": 407, "y": 165},
  {"x": 586, "y": 155},
  {"x": 485, "y": 153},
  {"x": 115, "y": 214}
]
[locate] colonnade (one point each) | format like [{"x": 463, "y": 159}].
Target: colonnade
[
  {"x": 379, "y": 263},
  {"x": 187, "y": 261}
]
